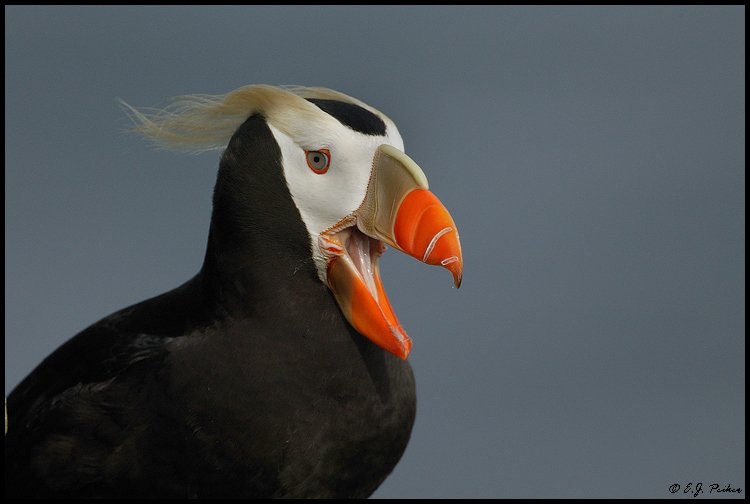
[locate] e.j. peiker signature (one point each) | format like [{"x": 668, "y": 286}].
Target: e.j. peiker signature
[{"x": 697, "y": 489}]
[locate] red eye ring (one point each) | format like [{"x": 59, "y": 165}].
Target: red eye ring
[{"x": 318, "y": 160}]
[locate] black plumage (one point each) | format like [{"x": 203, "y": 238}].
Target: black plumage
[{"x": 246, "y": 381}]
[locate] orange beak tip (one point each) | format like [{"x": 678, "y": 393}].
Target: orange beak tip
[
  {"x": 458, "y": 276},
  {"x": 455, "y": 265},
  {"x": 457, "y": 270}
]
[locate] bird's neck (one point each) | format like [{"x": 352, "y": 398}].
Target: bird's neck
[{"x": 250, "y": 272}]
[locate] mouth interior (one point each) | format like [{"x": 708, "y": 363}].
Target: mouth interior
[
  {"x": 364, "y": 252},
  {"x": 354, "y": 277}
]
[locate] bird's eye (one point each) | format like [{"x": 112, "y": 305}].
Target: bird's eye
[{"x": 318, "y": 160}]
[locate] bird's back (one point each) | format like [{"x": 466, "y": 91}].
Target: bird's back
[{"x": 226, "y": 409}]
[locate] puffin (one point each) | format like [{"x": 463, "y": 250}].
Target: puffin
[{"x": 280, "y": 369}]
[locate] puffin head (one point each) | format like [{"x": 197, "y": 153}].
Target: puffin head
[{"x": 355, "y": 188}]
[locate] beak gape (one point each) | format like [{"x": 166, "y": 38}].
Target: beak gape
[{"x": 399, "y": 210}]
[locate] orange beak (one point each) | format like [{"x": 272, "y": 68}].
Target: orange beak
[{"x": 399, "y": 210}]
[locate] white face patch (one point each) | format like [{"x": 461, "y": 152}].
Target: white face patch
[{"x": 324, "y": 200}]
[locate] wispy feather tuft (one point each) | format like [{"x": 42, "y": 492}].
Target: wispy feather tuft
[{"x": 198, "y": 123}]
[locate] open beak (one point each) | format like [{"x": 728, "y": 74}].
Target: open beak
[{"x": 400, "y": 211}]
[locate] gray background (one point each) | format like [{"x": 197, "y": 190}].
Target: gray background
[{"x": 592, "y": 158}]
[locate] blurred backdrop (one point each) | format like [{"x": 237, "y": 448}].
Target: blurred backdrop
[{"x": 592, "y": 158}]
